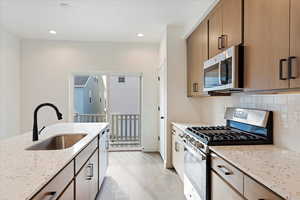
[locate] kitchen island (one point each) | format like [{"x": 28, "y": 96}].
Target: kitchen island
[{"x": 26, "y": 173}]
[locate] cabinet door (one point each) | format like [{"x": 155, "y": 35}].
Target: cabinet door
[
  {"x": 197, "y": 54},
  {"x": 232, "y": 22},
  {"x": 83, "y": 182},
  {"x": 68, "y": 193},
  {"x": 254, "y": 191},
  {"x": 295, "y": 43},
  {"x": 266, "y": 43},
  {"x": 220, "y": 189},
  {"x": 174, "y": 151},
  {"x": 180, "y": 159},
  {"x": 215, "y": 31},
  {"x": 93, "y": 163},
  {"x": 101, "y": 159}
]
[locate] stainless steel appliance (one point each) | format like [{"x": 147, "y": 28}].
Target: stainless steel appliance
[
  {"x": 224, "y": 71},
  {"x": 243, "y": 127}
]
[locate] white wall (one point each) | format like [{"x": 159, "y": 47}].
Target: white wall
[
  {"x": 180, "y": 108},
  {"x": 124, "y": 97},
  {"x": 9, "y": 84},
  {"x": 47, "y": 65}
]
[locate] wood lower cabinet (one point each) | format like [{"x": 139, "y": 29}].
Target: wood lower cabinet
[
  {"x": 197, "y": 54},
  {"x": 87, "y": 179},
  {"x": 230, "y": 182},
  {"x": 221, "y": 190},
  {"x": 266, "y": 40},
  {"x": 295, "y": 43}
]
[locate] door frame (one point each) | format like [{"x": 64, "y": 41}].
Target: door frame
[{"x": 162, "y": 73}]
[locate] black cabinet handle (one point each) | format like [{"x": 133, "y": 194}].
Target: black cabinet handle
[
  {"x": 161, "y": 117},
  {"x": 281, "y": 69},
  {"x": 290, "y": 67},
  {"x": 51, "y": 195}
]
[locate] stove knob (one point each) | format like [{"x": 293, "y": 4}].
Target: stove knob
[{"x": 199, "y": 145}]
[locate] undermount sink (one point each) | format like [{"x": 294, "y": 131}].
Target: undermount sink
[{"x": 58, "y": 142}]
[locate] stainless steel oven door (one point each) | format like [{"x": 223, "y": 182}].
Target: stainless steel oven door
[{"x": 195, "y": 174}]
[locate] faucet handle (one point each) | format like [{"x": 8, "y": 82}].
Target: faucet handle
[{"x": 42, "y": 129}]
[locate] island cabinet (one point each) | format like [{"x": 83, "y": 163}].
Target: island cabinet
[
  {"x": 103, "y": 155},
  {"x": 87, "y": 179},
  {"x": 230, "y": 182},
  {"x": 197, "y": 54},
  {"x": 56, "y": 187},
  {"x": 177, "y": 152},
  {"x": 225, "y": 26},
  {"x": 271, "y": 40},
  {"x": 80, "y": 179}
]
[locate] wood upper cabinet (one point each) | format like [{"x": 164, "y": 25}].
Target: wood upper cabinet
[
  {"x": 197, "y": 53},
  {"x": 266, "y": 40},
  {"x": 232, "y": 12},
  {"x": 215, "y": 31},
  {"x": 295, "y": 43},
  {"x": 225, "y": 26}
]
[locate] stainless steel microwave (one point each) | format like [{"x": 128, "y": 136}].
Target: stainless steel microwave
[{"x": 224, "y": 72}]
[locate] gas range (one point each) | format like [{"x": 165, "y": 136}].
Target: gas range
[{"x": 243, "y": 127}]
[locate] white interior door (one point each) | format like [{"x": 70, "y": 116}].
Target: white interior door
[{"x": 162, "y": 110}]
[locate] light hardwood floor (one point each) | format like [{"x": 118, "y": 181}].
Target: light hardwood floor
[{"x": 139, "y": 176}]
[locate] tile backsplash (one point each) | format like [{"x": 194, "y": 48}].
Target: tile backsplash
[{"x": 286, "y": 108}]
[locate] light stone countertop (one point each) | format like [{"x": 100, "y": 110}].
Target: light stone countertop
[
  {"x": 23, "y": 172},
  {"x": 274, "y": 167}
]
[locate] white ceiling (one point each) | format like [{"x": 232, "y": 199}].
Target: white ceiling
[{"x": 98, "y": 20}]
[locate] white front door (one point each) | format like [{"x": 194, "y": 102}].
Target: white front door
[{"x": 162, "y": 110}]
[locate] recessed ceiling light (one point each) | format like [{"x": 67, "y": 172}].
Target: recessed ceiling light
[
  {"x": 53, "y": 32},
  {"x": 140, "y": 35},
  {"x": 64, "y": 4}
]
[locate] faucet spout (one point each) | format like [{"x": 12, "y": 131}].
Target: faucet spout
[{"x": 35, "y": 131}]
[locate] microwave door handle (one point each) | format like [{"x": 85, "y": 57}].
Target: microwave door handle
[{"x": 220, "y": 65}]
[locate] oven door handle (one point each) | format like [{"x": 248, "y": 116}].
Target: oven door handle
[{"x": 198, "y": 154}]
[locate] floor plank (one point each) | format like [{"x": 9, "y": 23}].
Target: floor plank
[{"x": 139, "y": 176}]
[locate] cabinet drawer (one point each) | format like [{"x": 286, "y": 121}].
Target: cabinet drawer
[
  {"x": 221, "y": 190},
  {"x": 254, "y": 191},
  {"x": 55, "y": 187},
  {"x": 228, "y": 172},
  {"x": 68, "y": 193},
  {"x": 84, "y": 155}
]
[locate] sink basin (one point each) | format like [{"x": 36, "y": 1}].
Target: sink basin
[{"x": 58, "y": 142}]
